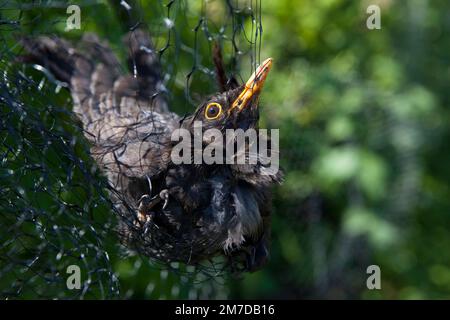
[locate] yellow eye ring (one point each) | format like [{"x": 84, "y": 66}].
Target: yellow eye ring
[{"x": 213, "y": 111}]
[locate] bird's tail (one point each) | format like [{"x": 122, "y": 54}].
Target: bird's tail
[{"x": 94, "y": 75}]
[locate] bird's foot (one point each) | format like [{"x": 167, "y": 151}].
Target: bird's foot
[
  {"x": 146, "y": 204},
  {"x": 164, "y": 195},
  {"x": 144, "y": 214}
]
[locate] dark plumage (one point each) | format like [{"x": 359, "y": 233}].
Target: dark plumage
[{"x": 170, "y": 212}]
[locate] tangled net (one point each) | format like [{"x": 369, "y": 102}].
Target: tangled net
[{"x": 55, "y": 205}]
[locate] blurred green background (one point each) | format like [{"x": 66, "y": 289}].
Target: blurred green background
[{"x": 364, "y": 128}]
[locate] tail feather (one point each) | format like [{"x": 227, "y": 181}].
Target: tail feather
[
  {"x": 93, "y": 74},
  {"x": 52, "y": 53},
  {"x": 113, "y": 106},
  {"x": 142, "y": 59},
  {"x": 143, "y": 63}
]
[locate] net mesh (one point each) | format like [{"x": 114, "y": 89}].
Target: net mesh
[{"x": 55, "y": 206}]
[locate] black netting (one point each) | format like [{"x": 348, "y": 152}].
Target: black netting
[{"x": 56, "y": 208}]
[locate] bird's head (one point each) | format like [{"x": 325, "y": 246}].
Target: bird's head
[
  {"x": 229, "y": 134},
  {"x": 233, "y": 109}
]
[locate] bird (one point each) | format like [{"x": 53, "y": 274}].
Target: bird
[{"x": 167, "y": 211}]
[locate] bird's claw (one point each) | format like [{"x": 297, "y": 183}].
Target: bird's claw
[
  {"x": 146, "y": 203},
  {"x": 164, "y": 194},
  {"x": 146, "y": 226}
]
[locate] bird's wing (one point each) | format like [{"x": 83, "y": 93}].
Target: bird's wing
[{"x": 125, "y": 116}]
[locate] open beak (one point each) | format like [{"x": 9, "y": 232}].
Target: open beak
[{"x": 253, "y": 86}]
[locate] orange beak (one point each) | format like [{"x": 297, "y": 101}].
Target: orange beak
[{"x": 253, "y": 86}]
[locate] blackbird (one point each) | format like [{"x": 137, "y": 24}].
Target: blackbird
[{"x": 185, "y": 212}]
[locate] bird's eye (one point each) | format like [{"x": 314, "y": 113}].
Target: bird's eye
[{"x": 213, "y": 111}]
